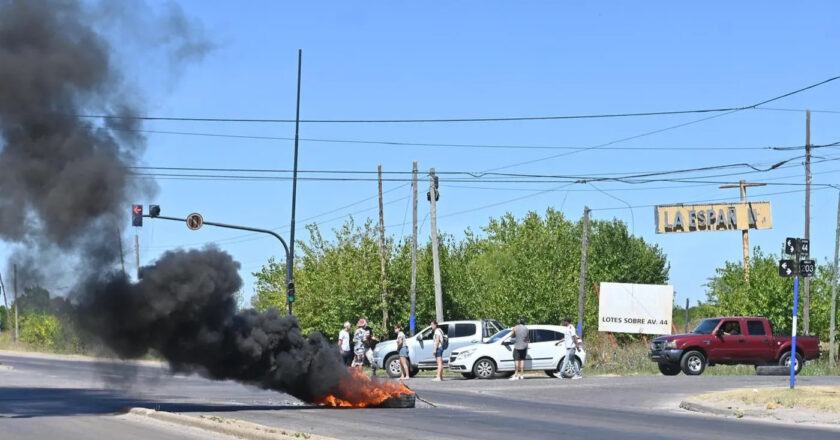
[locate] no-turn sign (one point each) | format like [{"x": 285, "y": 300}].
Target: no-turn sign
[{"x": 194, "y": 221}]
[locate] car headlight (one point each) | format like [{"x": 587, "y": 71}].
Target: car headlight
[
  {"x": 465, "y": 354},
  {"x": 671, "y": 344}
]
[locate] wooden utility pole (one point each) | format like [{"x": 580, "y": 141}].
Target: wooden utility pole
[
  {"x": 137, "y": 254},
  {"x": 687, "y": 314},
  {"x": 806, "y": 287},
  {"x": 122, "y": 256},
  {"x": 6, "y": 303},
  {"x": 745, "y": 234},
  {"x": 832, "y": 350},
  {"x": 433, "y": 195},
  {"x": 382, "y": 256},
  {"x": 584, "y": 243},
  {"x": 17, "y": 329},
  {"x": 412, "y": 319}
]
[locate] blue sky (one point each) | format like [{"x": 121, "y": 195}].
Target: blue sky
[{"x": 489, "y": 59}]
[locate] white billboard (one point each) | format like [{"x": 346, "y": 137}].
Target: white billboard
[{"x": 635, "y": 308}]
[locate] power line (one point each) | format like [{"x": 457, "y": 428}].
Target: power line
[
  {"x": 661, "y": 130},
  {"x": 458, "y": 145},
  {"x": 472, "y": 176},
  {"x": 715, "y": 200},
  {"x": 449, "y": 120}
]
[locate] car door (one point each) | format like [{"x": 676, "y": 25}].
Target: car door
[
  {"x": 424, "y": 350},
  {"x": 759, "y": 345},
  {"x": 541, "y": 350},
  {"x": 462, "y": 334},
  {"x": 728, "y": 347}
]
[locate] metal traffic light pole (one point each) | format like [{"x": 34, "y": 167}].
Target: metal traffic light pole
[{"x": 195, "y": 221}]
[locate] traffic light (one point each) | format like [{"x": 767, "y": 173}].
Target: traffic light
[
  {"x": 154, "y": 210},
  {"x": 136, "y": 215},
  {"x": 437, "y": 193},
  {"x": 290, "y": 292}
]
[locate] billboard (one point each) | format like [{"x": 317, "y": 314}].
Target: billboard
[
  {"x": 716, "y": 217},
  {"x": 635, "y": 308}
]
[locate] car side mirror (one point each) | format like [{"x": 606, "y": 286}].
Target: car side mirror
[{"x": 719, "y": 333}]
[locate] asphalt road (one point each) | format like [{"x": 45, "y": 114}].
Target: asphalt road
[{"x": 53, "y": 398}]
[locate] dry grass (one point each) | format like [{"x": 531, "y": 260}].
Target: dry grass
[{"x": 825, "y": 398}]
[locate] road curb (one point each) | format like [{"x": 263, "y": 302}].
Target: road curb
[
  {"x": 699, "y": 407},
  {"x": 233, "y": 427}
]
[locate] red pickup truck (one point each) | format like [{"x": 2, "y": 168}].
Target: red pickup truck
[{"x": 729, "y": 341}]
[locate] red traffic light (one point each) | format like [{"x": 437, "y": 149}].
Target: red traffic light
[{"x": 136, "y": 215}]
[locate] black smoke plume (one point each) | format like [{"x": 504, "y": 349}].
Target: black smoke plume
[
  {"x": 65, "y": 182},
  {"x": 184, "y": 308}
]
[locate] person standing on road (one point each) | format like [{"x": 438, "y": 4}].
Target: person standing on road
[
  {"x": 359, "y": 339},
  {"x": 370, "y": 342},
  {"x": 402, "y": 349},
  {"x": 344, "y": 344},
  {"x": 438, "y": 347},
  {"x": 570, "y": 343},
  {"x": 520, "y": 349}
]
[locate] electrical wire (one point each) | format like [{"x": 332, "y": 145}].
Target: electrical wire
[{"x": 450, "y": 120}]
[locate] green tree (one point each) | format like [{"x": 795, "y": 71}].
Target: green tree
[
  {"x": 516, "y": 267},
  {"x": 768, "y": 294}
]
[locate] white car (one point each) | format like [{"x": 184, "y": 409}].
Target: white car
[{"x": 484, "y": 360}]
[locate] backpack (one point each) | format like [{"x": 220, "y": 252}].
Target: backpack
[{"x": 444, "y": 340}]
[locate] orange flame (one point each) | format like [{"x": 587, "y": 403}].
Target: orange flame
[{"x": 355, "y": 390}]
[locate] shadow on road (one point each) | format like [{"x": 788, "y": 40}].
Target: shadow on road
[{"x": 43, "y": 402}]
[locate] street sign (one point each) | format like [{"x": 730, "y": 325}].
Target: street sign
[
  {"x": 790, "y": 246},
  {"x": 804, "y": 247},
  {"x": 786, "y": 268},
  {"x": 194, "y": 221},
  {"x": 807, "y": 268}
]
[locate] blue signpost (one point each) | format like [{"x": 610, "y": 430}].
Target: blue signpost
[
  {"x": 798, "y": 247},
  {"x": 793, "y": 339}
]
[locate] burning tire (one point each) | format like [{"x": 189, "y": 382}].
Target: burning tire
[{"x": 401, "y": 401}]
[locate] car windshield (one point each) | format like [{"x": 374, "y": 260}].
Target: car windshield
[
  {"x": 498, "y": 336},
  {"x": 706, "y": 327}
]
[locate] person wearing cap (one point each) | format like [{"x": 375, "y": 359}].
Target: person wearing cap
[
  {"x": 344, "y": 344},
  {"x": 359, "y": 344},
  {"x": 402, "y": 349}
]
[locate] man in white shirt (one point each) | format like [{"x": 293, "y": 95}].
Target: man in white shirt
[
  {"x": 570, "y": 343},
  {"x": 344, "y": 344}
]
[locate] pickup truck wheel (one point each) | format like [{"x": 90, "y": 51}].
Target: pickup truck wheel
[
  {"x": 785, "y": 361},
  {"x": 484, "y": 368},
  {"x": 392, "y": 366},
  {"x": 693, "y": 363},
  {"x": 468, "y": 375},
  {"x": 669, "y": 369}
]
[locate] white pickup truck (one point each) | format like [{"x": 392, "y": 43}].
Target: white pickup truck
[{"x": 421, "y": 345}]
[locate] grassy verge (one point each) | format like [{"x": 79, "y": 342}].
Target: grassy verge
[{"x": 825, "y": 398}]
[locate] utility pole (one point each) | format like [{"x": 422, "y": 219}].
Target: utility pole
[
  {"x": 832, "y": 350},
  {"x": 122, "y": 256},
  {"x": 584, "y": 243},
  {"x": 290, "y": 260},
  {"x": 412, "y": 319},
  {"x": 382, "y": 255},
  {"x": 17, "y": 329},
  {"x": 6, "y": 303},
  {"x": 745, "y": 234},
  {"x": 137, "y": 254},
  {"x": 687, "y": 315},
  {"x": 806, "y": 287},
  {"x": 433, "y": 195}
]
